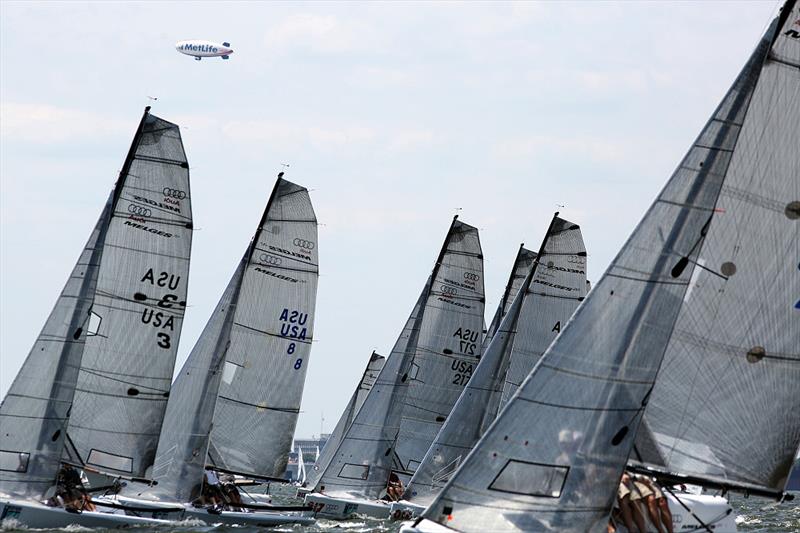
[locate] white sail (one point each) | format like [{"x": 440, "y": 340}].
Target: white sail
[
  {"x": 368, "y": 379},
  {"x": 270, "y": 341},
  {"x": 718, "y": 413},
  {"x": 553, "y": 458},
  {"x": 545, "y": 299},
  {"x": 128, "y": 360},
  {"x": 522, "y": 265},
  {"x": 222, "y": 355},
  {"x": 40, "y": 404},
  {"x": 447, "y": 349},
  {"x": 366, "y": 455}
]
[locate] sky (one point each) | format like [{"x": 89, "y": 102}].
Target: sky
[{"x": 396, "y": 116}]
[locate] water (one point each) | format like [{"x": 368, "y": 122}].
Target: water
[{"x": 753, "y": 515}]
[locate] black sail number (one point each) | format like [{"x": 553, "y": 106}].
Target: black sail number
[{"x": 164, "y": 340}]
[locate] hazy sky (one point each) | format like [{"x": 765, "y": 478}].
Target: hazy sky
[{"x": 393, "y": 115}]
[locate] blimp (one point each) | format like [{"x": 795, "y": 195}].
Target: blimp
[{"x": 200, "y": 49}]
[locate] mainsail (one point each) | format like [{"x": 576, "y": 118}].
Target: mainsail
[
  {"x": 719, "y": 410},
  {"x": 260, "y": 330},
  {"x": 138, "y": 308},
  {"x": 368, "y": 379},
  {"x": 558, "y": 286},
  {"x": 553, "y": 458},
  {"x": 270, "y": 341},
  {"x": 447, "y": 348},
  {"x": 36, "y": 411},
  {"x": 522, "y": 265},
  {"x": 366, "y": 455}
]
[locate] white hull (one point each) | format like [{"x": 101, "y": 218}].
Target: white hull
[
  {"x": 712, "y": 510},
  {"x": 166, "y": 510},
  {"x": 39, "y": 516},
  {"x": 342, "y": 508}
]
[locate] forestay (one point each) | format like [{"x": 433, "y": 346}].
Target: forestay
[
  {"x": 138, "y": 309},
  {"x": 448, "y": 346},
  {"x": 558, "y": 286},
  {"x": 270, "y": 340},
  {"x": 368, "y": 379},
  {"x": 548, "y": 295},
  {"x": 720, "y": 410},
  {"x": 553, "y": 458}
]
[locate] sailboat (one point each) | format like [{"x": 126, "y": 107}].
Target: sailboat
[
  {"x": 301, "y": 467},
  {"x": 368, "y": 379},
  {"x": 251, "y": 360},
  {"x": 125, "y": 298},
  {"x": 551, "y": 288},
  {"x": 423, "y": 376},
  {"x": 708, "y": 281}
]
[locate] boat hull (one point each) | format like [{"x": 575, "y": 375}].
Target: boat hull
[
  {"x": 341, "y": 508},
  {"x": 712, "y": 510},
  {"x": 39, "y": 516},
  {"x": 166, "y": 510}
]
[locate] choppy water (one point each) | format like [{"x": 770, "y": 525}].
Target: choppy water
[{"x": 753, "y": 515}]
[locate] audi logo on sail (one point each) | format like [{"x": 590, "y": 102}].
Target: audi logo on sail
[
  {"x": 270, "y": 260},
  {"x": 138, "y": 210},
  {"x": 174, "y": 193},
  {"x": 308, "y": 245},
  {"x": 446, "y": 289},
  {"x": 471, "y": 276}
]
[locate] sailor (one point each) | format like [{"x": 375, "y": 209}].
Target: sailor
[
  {"x": 645, "y": 491},
  {"x": 212, "y": 493},
  {"x": 394, "y": 489},
  {"x": 231, "y": 493},
  {"x": 628, "y": 511},
  {"x": 70, "y": 490}
]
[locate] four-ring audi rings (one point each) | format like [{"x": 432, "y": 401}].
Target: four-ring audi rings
[
  {"x": 308, "y": 245},
  {"x": 138, "y": 210},
  {"x": 270, "y": 260},
  {"x": 471, "y": 276},
  {"x": 446, "y": 289},
  {"x": 174, "y": 193}
]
